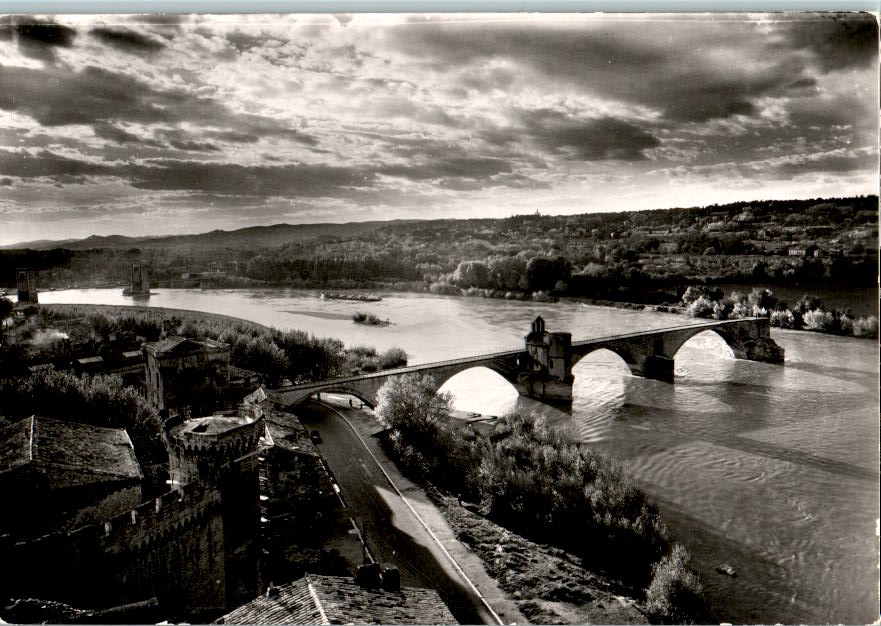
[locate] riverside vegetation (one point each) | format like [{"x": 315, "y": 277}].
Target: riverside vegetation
[
  {"x": 807, "y": 314},
  {"x": 278, "y": 355},
  {"x": 643, "y": 256},
  {"x": 529, "y": 478}
]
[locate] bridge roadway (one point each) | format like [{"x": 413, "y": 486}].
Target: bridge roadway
[{"x": 647, "y": 353}]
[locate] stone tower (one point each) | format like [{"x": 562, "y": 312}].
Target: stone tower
[
  {"x": 547, "y": 371},
  {"x": 26, "y": 281},
  {"x": 221, "y": 451},
  {"x": 186, "y": 372},
  {"x": 139, "y": 285}
]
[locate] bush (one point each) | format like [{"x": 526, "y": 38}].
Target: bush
[
  {"x": 722, "y": 309},
  {"x": 675, "y": 593},
  {"x": 865, "y": 327},
  {"x": 527, "y": 477},
  {"x": 819, "y": 321},
  {"x": 783, "y": 319},
  {"x": 392, "y": 358},
  {"x": 700, "y": 307}
]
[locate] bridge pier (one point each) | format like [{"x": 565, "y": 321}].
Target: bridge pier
[
  {"x": 545, "y": 389},
  {"x": 658, "y": 367}
]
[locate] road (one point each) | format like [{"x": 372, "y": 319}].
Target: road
[{"x": 393, "y": 533}]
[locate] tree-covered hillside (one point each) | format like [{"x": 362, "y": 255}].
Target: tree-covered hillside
[{"x": 628, "y": 255}]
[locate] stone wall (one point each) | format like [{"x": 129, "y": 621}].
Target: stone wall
[{"x": 170, "y": 547}]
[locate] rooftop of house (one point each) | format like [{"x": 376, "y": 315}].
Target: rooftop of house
[
  {"x": 338, "y": 600},
  {"x": 183, "y": 345},
  {"x": 67, "y": 454}
]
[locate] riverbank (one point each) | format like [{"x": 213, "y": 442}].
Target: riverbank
[
  {"x": 72, "y": 310},
  {"x": 520, "y": 578},
  {"x": 548, "y": 585}
]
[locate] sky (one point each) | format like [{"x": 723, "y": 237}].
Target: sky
[{"x": 150, "y": 125}]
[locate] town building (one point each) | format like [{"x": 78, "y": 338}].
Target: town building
[
  {"x": 186, "y": 372},
  {"x": 59, "y": 475}
]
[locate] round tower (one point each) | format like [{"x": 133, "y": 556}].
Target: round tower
[{"x": 203, "y": 449}]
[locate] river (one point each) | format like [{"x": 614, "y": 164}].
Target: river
[{"x": 773, "y": 470}]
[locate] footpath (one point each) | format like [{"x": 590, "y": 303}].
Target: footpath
[{"x": 470, "y": 564}]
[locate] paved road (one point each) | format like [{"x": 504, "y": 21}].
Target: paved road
[{"x": 394, "y": 535}]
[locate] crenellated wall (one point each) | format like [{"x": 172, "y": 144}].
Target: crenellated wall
[
  {"x": 195, "y": 548},
  {"x": 171, "y": 547}
]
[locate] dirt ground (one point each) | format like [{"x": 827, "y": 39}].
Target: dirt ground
[{"x": 548, "y": 585}]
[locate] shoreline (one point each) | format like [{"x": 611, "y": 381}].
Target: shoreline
[
  {"x": 166, "y": 311},
  {"x": 673, "y": 309}
]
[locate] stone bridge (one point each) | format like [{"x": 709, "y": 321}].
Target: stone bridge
[{"x": 534, "y": 372}]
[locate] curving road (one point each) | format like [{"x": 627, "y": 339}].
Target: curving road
[{"x": 393, "y": 533}]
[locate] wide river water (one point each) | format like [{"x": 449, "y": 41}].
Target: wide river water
[{"x": 772, "y": 470}]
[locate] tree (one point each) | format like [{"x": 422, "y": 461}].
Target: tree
[
  {"x": 5, "y": 309},
  {"x": 412, "y": 406}
]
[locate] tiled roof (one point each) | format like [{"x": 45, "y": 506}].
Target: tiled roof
[
  {"x": 338, "y": 600},
  {"x": 67, "y": 453},
  {"x": 183, "y": 345}
]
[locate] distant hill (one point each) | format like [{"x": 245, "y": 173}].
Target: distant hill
[{"x": 251, "y": 237}]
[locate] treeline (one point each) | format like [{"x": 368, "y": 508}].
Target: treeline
[
  {"x": 530, "y": 479},
  {"x": 639, "y": 256},
  {"x": 808, "y": 313},
  {"x": 292, "y": 355}
]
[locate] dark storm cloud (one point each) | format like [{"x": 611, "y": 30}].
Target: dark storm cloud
[
  {"x": 837, "y": 41},
  {"x": 46, "y": 163},
  {"x": 97, "y": 97},
  {"x": 56, "y": 97},
  {"x": 36, "y": 38},
  {"x": 183, "y": 141},
  {"x": 661, "y": 64},
  {"x": 127, "y": 40},
  {"x": 114, "y": 133},
  {"x": 826, "y": 163},
  {"x": 587, "y": 140},
  {"x": 223, "y": 178},
  {"x": 449, "y": 167}
]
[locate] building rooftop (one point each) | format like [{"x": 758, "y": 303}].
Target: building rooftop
[
  {"x": 183, "y": 345},
  {"x": 338, "y": 600},
  {"x": 213, "y": 425},
  {"x": 67, "y": 454}
]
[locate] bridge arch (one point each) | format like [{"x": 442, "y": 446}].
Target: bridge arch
[
  {"x": 717, "y": 336},
  {"x": 622, "y": 355},
  {"x": 442, "y": 378},
  {"x": 485, "y": 383},
  {"x": 601, "y": 354},
  {"x": 340, "y": 389}
]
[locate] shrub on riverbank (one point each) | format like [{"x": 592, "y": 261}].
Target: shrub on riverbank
[
  {"x": 295, "y": 355},
  {"x": 807, "y": 314},
  {"x": 528, "y": 477},
  {"x": 365, "y": 359},
  {"x": 675, "y": 595}
]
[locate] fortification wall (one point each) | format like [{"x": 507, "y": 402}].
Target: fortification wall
[{"x": 171, "y": 547}]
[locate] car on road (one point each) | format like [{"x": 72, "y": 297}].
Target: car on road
[{"x": 315, "y": 436}]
